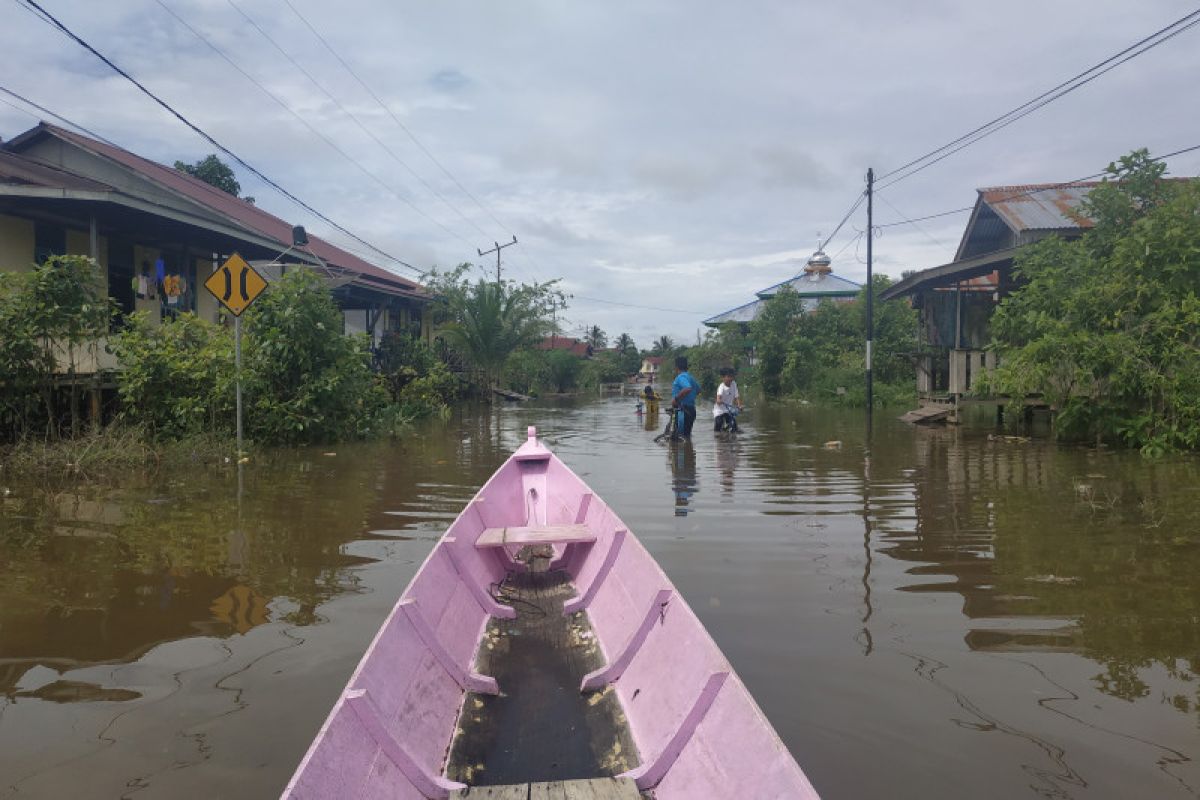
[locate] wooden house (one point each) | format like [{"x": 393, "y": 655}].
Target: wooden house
[
  {"x": 956, "y": 300},
  {"x": 158, "y": 233}
]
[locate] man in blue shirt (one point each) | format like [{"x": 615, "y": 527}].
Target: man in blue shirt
[{"x": 683, "y": 395}]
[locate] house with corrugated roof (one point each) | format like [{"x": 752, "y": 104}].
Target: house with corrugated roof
[
  {"x": 158, "y": 233},
  {"x": 814, "y": 283},
  {"x": 956, "y": 300}
]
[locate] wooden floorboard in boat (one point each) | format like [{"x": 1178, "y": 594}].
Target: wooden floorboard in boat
[
  {"x": 594, "y": 789},
  {"x": 540, "y": 728}
]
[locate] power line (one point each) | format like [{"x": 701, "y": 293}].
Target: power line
[
  {"x": 1134, "y": 50},
  {"x": 353, "y": 117},
  {"x": 311, "y": 128},
  {"x": 208, "y": 138},
  {"x": 854, "y": 207},
  {"x": 395, "y": 119},
  {"x": 1031, "y": 191},
  {"x": 51, "y": 114}
]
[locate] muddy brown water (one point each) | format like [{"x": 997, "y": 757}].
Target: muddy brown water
[{"x": 942, "y": 615}]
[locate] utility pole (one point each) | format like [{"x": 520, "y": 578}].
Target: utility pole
[
  {"x": 870, "y": 288},
  {"x": 497, "y": 250}
]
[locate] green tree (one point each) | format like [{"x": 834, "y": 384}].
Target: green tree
[
  {"x": 305, "y": 381},
  {"x": 214, "y": 172},
  {"x": 54, "y": 316},
  {"x": 663, "y": 346},
  {"x": 487, "y": 322},
  {"x": 624, "y": 344},
  {"x": 596, "y": 337},
  {"x": 1107, "y": 327},
  {"x": 812, "y": 353}
]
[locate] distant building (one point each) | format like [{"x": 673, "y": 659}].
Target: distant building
[
  {"x": 650, "y": 368},
  {"x": 956, "y": 300},
  {"x": 814, "y": 283},
  {"x": 158, "y": 233},
  {"x": 575, "y": 347}
]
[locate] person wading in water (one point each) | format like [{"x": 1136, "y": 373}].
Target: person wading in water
[{"x": 683, "y": 395}]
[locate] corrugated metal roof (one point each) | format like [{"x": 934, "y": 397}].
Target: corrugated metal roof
[
  {"x": 814, "y": 284},
  {"x": 743, "y": 313},
  {"x": 1036, "y": 207},
  {"x": 232, "y": 208}
]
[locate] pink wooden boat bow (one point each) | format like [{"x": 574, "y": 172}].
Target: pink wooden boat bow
[{"x": 697, "y": 732}]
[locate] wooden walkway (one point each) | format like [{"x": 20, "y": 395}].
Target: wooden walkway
[{"x": 595, "y": 789}]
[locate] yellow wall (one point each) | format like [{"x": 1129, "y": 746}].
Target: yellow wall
[
  {"x": 16, "y": 244},
  {"x": 79, "y": 243},
  {"x": 207, "y": 307}
]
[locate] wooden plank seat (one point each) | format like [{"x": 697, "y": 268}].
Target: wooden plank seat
[
  {"x": 534, "y": 534},
  {"x": 593, "y": 789}
]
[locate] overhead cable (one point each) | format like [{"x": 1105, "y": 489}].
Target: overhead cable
[
  {"x": 311, "y": 128},
  {"x": 395, "y": 119},
  {"x": 1134, "y": 50},
  {"x": 333, "y": 99},
  {"x": 209, "y": 138}
]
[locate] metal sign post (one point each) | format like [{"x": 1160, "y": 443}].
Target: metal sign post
[{"x": 236, "y": 285}]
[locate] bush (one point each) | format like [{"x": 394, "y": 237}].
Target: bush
[
  {"x": 55, "y": 311},
  {"x": 177, "y": 377},
  {"x": 418, "y": 381},
  {"x": 304, "y": 380},
  {"x": 604, "y": 368}
]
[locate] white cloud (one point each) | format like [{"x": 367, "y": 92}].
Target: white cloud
[{"x": 653, "y": 153}]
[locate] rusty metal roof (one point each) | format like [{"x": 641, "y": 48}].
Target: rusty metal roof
[
  {"x": 238, "y": 211},
  {"x": 1051, "y": 206}
]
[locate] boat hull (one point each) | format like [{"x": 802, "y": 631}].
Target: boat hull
[{"x": 697, "y": 730}]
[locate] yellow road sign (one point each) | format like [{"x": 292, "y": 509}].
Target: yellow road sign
[{"x": 236, "y": 284}]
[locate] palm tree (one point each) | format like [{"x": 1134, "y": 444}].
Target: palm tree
[
  {"x": 597, "y": 338},
  {"x": 492, "y": 321},
  {"x": 624, "y": 344},
  {"x": 663, "y": 346}
]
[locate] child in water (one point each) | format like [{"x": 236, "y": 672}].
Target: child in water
[
  {"x": 728, "y": 398},
  {"x": 651, "y": 400}
]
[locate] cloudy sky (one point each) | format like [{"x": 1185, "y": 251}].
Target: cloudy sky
[{"x": 672, "y": 155}]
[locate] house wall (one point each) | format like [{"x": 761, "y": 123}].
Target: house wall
[
  {"x": 208, "y": 308},
  {"x": 16, "y": 244}
]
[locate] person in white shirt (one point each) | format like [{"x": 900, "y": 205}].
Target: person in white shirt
[{"x": 729, "y": 402}]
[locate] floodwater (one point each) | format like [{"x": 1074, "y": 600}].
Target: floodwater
[{"x": 941, "y": 615}]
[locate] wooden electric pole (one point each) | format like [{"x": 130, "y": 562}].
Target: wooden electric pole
[
  {"x": 870, "y": 288},
  {"x": 497, "y": 250}
]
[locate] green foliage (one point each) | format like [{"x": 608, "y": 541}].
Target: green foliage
[
  {"x": 596, "y": 337},
  {"x": 51, "y": 316},
  {"x": 418, "y": 381},
  {"x": 724, "y": 347},
  {"x": 177, "y": 377},
  {"x": 486, "y": 322},
  {"x": 815, "y": 353},
  {"x": 562, "y": 370},
  {"x": 1107, "y": 327},
  {"x": 663, "y": 346},
  {"x": 624, "y": 344},
  {"x": 304, "y": 380},
  {"x": 604, "y": 368},
  {"x": 214, "y": 172}
]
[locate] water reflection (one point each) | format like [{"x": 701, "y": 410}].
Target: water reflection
[
  {"x": 681, "y": 456},
  {"x": 956, "y": 611}
]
